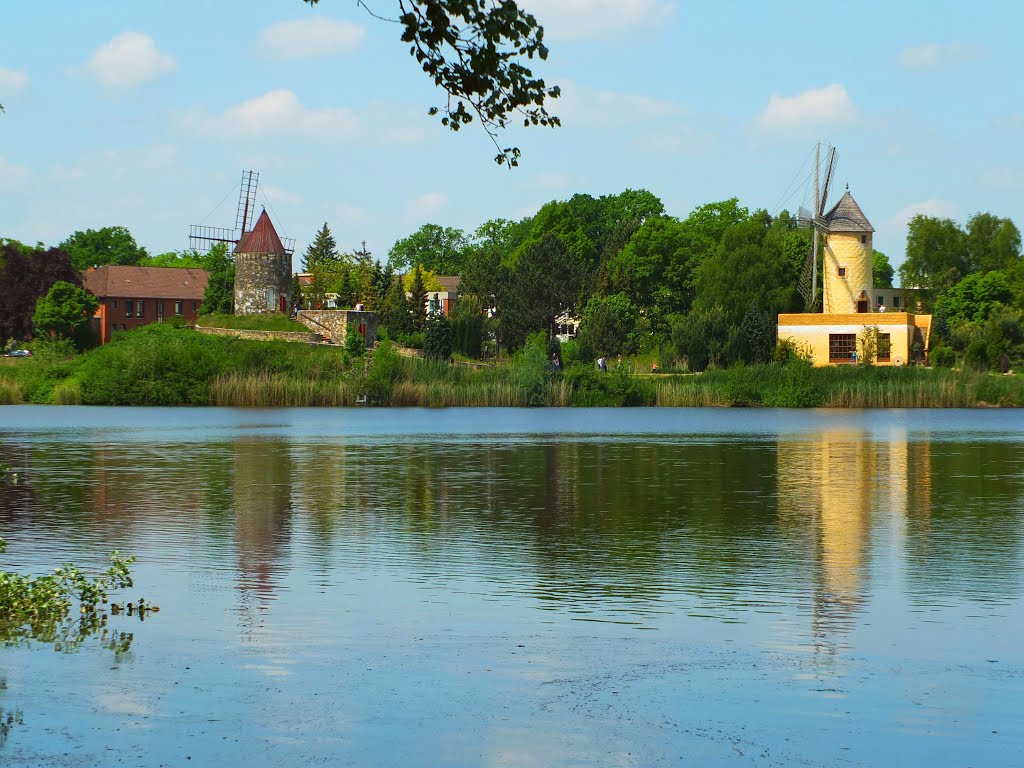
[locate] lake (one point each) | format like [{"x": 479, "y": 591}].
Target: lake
[{"x": 492, "y": 587}]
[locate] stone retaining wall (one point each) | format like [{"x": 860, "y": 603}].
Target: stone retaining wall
[
  {"x": 335, "y": 323},
  {"x": 242, "y": 333}
]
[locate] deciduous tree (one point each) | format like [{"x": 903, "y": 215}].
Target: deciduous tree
[
  {"x": 65, "y": 312},
  {"x": 26, "y": 274},
  {"x": 443, "y": 250},
  {"x": 99, "y": 247}
]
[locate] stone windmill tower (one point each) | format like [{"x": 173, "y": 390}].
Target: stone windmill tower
[
  {"x": 263, "y": 271},
  {"x": 848, "y": 264},
  {"x": 263, "y": 260}
]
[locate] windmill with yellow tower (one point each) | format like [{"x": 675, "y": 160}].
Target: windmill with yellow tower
[{"x": 848, "y": 328}]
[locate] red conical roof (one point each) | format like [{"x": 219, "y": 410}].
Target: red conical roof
[{"x": 262, "y": 239}]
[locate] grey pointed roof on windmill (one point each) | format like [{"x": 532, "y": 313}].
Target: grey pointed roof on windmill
[{"x": 846, "y": 216}]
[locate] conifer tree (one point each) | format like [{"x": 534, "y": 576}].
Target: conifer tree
[
  {"x": 322, "y": 252},
  {"x": 418, "y": 300},
  {"x": 394, "y": 311}
]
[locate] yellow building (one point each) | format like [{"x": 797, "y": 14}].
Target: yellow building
[{"x": 849, "y": 326}]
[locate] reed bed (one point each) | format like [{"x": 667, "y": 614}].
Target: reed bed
[
  {"x": 67, "y": 392},
  {"x": 275, "y": 390},
  {"x": 11, "y": 392}
]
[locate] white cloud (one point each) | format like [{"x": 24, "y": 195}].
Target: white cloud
[
  {"x": 1003, "y": 179},
  {"x": 12, "y": 82},
  {"x": 940, "y": 209},
  {"x": 280, "y": 113},
  {"x": 426, "y": 205},
  {"x": 11, "y": 174},
  {"x": 814, "y": 108},
  {"x": 129, "y": 59},
  {"x": 599, "y": 19},
  {"x": 609, "y": 109},
  {"x": 935, "y": 56},
  {"x": 311, "y": 37}
]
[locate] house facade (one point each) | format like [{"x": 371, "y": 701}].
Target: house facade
[{"x": 134, "y": 296}]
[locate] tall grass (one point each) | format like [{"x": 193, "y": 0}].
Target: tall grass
[
  {"x": 278, "y": 390},
  {"x": 11, "y": 392},
  {"x": 67, "y": 392}
]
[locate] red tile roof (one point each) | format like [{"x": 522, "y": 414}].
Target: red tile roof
[
  {"x": 262, "y": 239},
  {"x": 449, "y": 283},
  {"x": 146, "y": 282}
]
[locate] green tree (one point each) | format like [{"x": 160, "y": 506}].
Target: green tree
[
  {"x": 110, "y": 245},
  {"x": 418, "y": 300},
  {"x": 608, "y": 324},
  {"x": 437, "y": 342},
  {"x": 26, "y": 274},
  {"x": 322, "y": 252},
  {"x": 937, "y": 257},
  {"x": 545, "y": 283},
  {"x": 883, "y": 271},
  {"x": 395, "y": 313},
  {"x": 65, "y": 312},
  {"x": 992, "y": 243},
  {"x": 702, "y": 337},
  {"x": 476, "y": 52},
  {"x": 972, "y": 299},
  {"x": 178, "y": 259},
  {"x": 443, "y": 250},
  {"x": 748, "y": 269},
  {"x": 220, "y": 288}
]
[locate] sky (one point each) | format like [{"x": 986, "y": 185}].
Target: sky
[{"x": 144, "y": 115}]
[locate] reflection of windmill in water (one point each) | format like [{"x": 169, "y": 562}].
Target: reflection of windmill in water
[
  {"x": 818, "y": 224},
  {"x": 263, "y": 261}
]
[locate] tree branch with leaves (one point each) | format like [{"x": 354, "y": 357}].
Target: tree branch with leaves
[{"x": 475, "y": 51}]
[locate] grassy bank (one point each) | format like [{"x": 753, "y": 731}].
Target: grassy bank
[
  {"x": 163, "y": 365},
  {"x": 269, "y": 322}
]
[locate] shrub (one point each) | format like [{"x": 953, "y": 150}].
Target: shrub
[
  {"x": 437, "y": 339},
  {"x": 943, "y": 357}
]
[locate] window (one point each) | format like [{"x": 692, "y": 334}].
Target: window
[
  {"x": 139, "y": 309},
  {"x": 113, "y": 303},
  {"x": 895, "y": 302},
  {"x": 842, "y": 271},
  {"x": 864, "y": 238},
  {"x": 194, "y": 306},
  {"x": 841, "y": 347},
  {"x": 129, "y": 308},
  {"x": 884, "y": 347},
  {"x": 881, "y": 299},
  {"x": 160, "y": 310},
  {"x": 177, "y": 308}
]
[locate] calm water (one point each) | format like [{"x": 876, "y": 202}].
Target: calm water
[{"x": 527, "y": 588}]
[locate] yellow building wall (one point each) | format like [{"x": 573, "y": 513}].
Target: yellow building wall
[
  {"x": 812, "y": 331},
  {"x": 846, "y": 250}
]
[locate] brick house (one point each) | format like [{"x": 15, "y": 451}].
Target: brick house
[{"x": 134, "y": 296}]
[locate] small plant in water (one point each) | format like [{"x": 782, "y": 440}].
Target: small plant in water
[{"x": 42, "y": 608}]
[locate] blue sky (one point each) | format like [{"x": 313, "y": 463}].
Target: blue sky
[{"x": 145, "y": 114}]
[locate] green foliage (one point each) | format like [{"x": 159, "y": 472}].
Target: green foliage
[
  {"x": 395, "y": 314},
  {"x": 322, "y": 252},
  {"x": 993, "y": 243},
  {"x": 418, "y": 301},
  {"x": 219, "y": 296},
  {"x": 26, "y": 274},
  {"x": 437, "y": 340},
  {"x": 355, "y": 345},
  {"x": 545, "y": 283},
  {"x": 608, "y": 325},
  {"x": 475, "y": 52},
  {"x": 110, "y": 245},
  {"x": 882, "y": 269},
  {"x": 702, "y": 337},
  {"x": 42, "y": 608},
  {"x": 65, "y": 312},
  {"x": 972, "y": 299},
  {"x": 384, "y": 372},
  {"x": 530, "y": 369},
  {"x": 758, "y": 334},
  {"x": 176, "y": 259},
  {"x": 942, "y": 357},
  {"x": 441, "y": 250},
  {"x": 267, "y": 322},
  {"x": 936, "y": 257},
  {"x": 790, "y": 351}
]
